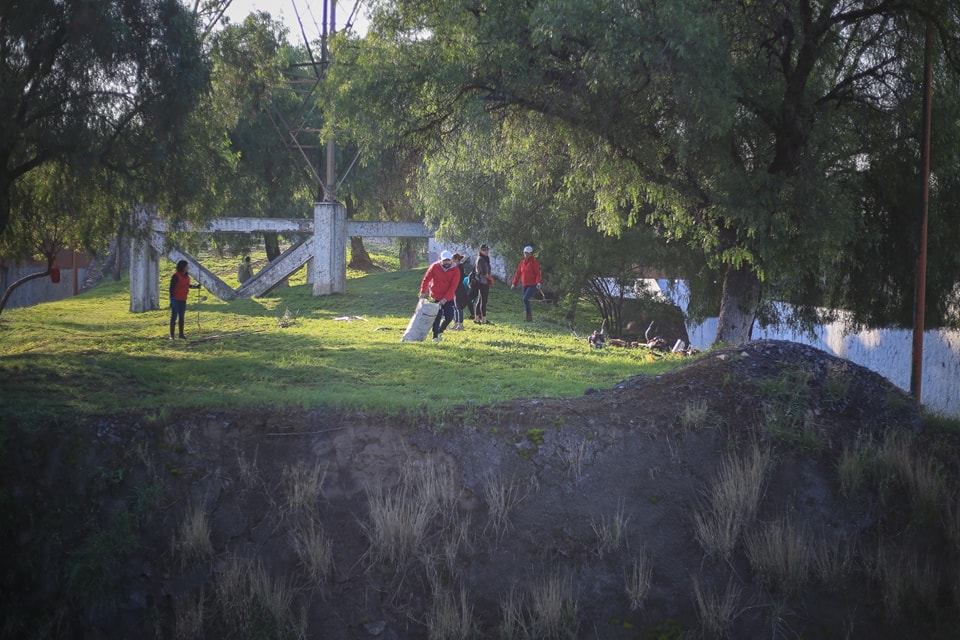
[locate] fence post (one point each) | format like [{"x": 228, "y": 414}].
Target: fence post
[
  {"x": 330, "y": 246},
  {"x": 144, "y": 266}
]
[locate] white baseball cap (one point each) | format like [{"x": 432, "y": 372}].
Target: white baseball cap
[
  {"x": 528, "y": 249},
  {"x": 446, "y": 255}
]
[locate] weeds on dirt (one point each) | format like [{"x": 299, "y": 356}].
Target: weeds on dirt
[
  {"x": 729, "y": 504},
  {"x": 400, "y": 520},
  {"x": 907, "y": 580},
  {"x": 922, "y": 475},
  {"x": 314, "y": 548},
  {"x": 781, "y": 556},
  {"x": 398, "y": 523},
  {"x": 90, "y": 569},
  {"x": 695, "y": 415},
  {"x": 249, "y": 473},
  {"x": 611, "y": 534},
  {"x": 451, "y": 616},
  {"x": 501, "y": 498},
  {"x": 189, "y": 618},
  {"x": 786, "y": 416},
  {"x": 574, "y": 458},
  {"x": 637, "y": 580},
  {"x": 833, "y": 561},
  {"x": 248, "y": 603},
  {"x": 896, "y": 465},
  {"x": 303, "y": 484},
  {"x": 192, "y": 540},
  {"x": 548, "y": 611},
  {"x": 716, "y": 610},
  {"x": 951, "y": 522}
]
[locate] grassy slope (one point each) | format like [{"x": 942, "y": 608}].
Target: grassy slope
[{"x": 90, "y": 355}]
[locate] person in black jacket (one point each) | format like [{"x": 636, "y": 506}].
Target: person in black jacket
[
  {"x": 463, "y": 299},
  {"x": 482, "y": 281}
]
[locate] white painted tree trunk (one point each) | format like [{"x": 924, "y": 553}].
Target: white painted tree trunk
[{"x": 738, "y": 305}]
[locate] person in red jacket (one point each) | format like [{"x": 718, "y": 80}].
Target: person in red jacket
[
  {"x": 441, "y": 281},
  {"x": 528, "y": 275},
  {"x": 179, "y": 288}
]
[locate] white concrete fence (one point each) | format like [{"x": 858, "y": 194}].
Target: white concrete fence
[
  {"x": 888, "y": 352},
  {"x": 324, "y": 250}
]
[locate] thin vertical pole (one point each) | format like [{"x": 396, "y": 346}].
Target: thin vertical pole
[
  {"x": 920, "y": 295},
  {"x": 329, "y": 29}
]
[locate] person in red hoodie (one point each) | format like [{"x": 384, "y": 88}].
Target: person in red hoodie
[
  {"x": 528, "y": 274},
  {"x": 441, "y": 281},
  {"x": 179, "y": 288}
]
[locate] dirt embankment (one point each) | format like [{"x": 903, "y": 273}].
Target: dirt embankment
[{"x": 765, "y": 490}]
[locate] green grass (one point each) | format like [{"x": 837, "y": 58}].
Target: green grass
[{"x": 89, "y": 355}]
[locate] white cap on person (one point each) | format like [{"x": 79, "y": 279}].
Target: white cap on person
[{"x": 528, "y": 249}]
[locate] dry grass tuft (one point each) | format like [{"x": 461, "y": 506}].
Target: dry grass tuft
[
  {"x": 951, "y": 524},
  {"x": 695, "y": 415},
  {"x": 188, "y": 620},
  {"x": 896, "y": 465},
  {"x": 303, "y": 487},
  {"x": 908, "y": 581},
  {"x": 251, "y": 604},
  {"x": 730, "y": 503},
  {"x": 315, "y": 550},
  {"x": 398, "y": 523},
  {"x": 638, "y": 580},
  {"x": 553, "y": 608},
  {"x": 513, "y": 624},
  {"x": 501, "y": 498},
  {"x": 716, "y": 611},
  {"x": 423, "y": 504},
  {"x": 781, "y": 556},
  {"x": 611, "y": 534},
  {"x": 547, "y": 611},
  {"x": 192, "y": 539},
  {"x": 833, "y": 562},
  {"x": 451, "y": 616}
]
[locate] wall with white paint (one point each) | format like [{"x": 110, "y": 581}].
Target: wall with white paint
[{"x": 889, "y": 352}]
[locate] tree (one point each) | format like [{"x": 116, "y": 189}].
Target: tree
[
  {"x": 738, "y": 123},
  {"x": 103, "y": 84},
  {"x": 515, "y": 181},
  {"x": 52, "y": 211},
  {"x": 383, "y": 157}
]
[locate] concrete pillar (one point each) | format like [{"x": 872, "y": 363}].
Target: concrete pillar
[
  {"x": 144, "y": 268},
  {"x": 330, "y": 248}
]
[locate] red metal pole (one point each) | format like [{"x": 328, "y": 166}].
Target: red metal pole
[{"x": 920, "y": 295}]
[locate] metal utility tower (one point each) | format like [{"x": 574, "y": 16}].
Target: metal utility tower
[{"x": 303, "y": 79}]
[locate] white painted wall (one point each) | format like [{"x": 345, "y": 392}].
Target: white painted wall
[
  {"x": 887, "y": 351},
  {"x": 498, "y": 265}
]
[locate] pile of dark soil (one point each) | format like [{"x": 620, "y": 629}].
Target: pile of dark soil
[{"x": 476, "y": 524}]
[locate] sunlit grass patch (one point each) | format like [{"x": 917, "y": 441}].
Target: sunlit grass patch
[{"x": 343, "y": 351}]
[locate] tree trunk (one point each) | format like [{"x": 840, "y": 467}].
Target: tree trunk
[
  {"x": 409, "y": 253},
  {"x": 271, "y": 243},
  {"x": 21, "y": 281},
  {"x": 738, "y": 305},
  {"x": 118, "y": 265},
  {"x": 359, "y": 258}
]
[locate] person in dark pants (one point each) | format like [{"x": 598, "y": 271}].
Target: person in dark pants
[
  {"x": 441, "y": 280},
  {"x": 245, "y": 270},
  {"x": 528, "y": 275},
  {"x": 483, "y": 281},
  {"x": 463, "y": 299},
  {"x": 179, "y": 288}
]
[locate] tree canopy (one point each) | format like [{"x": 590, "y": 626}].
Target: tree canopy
[
  {"x": 752, "y": 132},
  {"x": 97, "y": 84}
]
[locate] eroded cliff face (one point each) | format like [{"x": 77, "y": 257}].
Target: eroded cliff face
[{"x": 598, "y": 516}]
